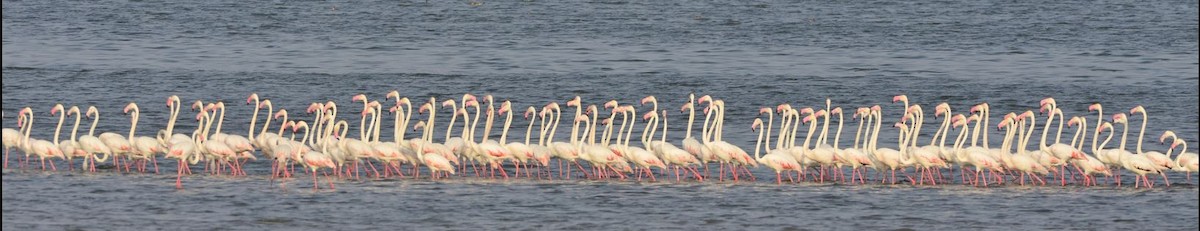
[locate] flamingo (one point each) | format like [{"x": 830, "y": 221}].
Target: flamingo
[
  {"x": 824, "y": 154},
  {"x": 494, "y": 152},
  {"x": 1024, "y": 161},
  {"x": 70, "y": 148},
  {"x": 690, "y": 144},
  {"x": 1138, "y": 164},
  {"x": 1163, "y": 161},
  {"x": 855, "y": 156},
  {"x": 92, "y": 144},
  {"x": 435, "y": 163},
  {"x": 1057, "y": 150},
  {"x": 523, "y": 151},
  {"x": 1111, "y": 157},
  {"x": 41, "y": 148},
  {"x": 778, "y": 161},
  {"x": 644, "y": 159},
  {"x": 567, "y": 151},
  {"x": 241, "y": 146},
  {"x": 1186, "y": 161},
  {"x": 672, "y": 154},
  {"x": 144, "y": 147},
  {"x": 1087, "y": 164}
]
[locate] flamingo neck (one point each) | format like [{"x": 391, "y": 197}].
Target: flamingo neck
[
  {"x": 61, "y": 118},
  {"x": 1046, "y": 129},
  {"x": 453, "y": 118},
  {"x": 1142, "y": 132},
  {"x": 507, "y": 123},
  {"x": 92, "y": 130},
  {"x": 758, "y": 145},
  {"x": 837, "y": 137},
  {"x": 75, "y": 129},
  {"x": 254, "y": 119}
]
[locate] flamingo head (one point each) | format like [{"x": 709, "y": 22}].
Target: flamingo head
[
  {"x": 606, "y": 121},
  {"x": 1010, "y": 115},
  {"x": 754, "y": 126},
  {"x": 128, "y": 107},
  {"x": 1120, "y": 118},
  {"x": 685, "y": 107},
  {"x": 359, "y": 97},
  {"x": 575, "y": 102},
  {"x": 280, "y": 113},
  {"x": 959, "y": 120},
  {"x": 581, "y": 118},
  {"x": 914, "y": 109},
  {"x": 265, "y": 102},
  {"x": 55, "y": 109},
  {"x": 782, "y": 107},
  {"x": 506, "y": 106},
  {"x": 1106, "y": 126},
  {"x": 649, "y": 115},
  {"x": 73, "y": 109},
  {"x": 253, "y": 97},
  {"x": 649, "y": 99},
  {"x": 90, "y": 111},
  {"x": 610, "y": 104},
  {"x": 423, "y": 108},
  {"x": 810, "y": 117},
  {"x": 1095, "y": 106},
  {"x": 287, "y": 125},
  {"x": 419, "y": 125},
  {"x": 552, "y": 105},
  {"x": 704, "y": 99},
  {"x": 471, "y": 104},
  {"x": 449, "y": 103},
  {"x": 901, "y": 126},
  {"x": 942, "y": 108},
  {"x": 807, "y": 110},
  {"x": 461, "y": 111},
  {"x": 529, "y": 111},
  {"x": 1073, "y": 121},
  {"x": 312, "y": 107},
  {"x": 1176, "y": 143},
  {"x": 1028, "y": 114},
  {"x": 1004, "y": 122},
  {"x": 200, "y": 115},
  {"x": 900, "y": 98},
  {"x": 1048, "y": 101},
  {"x": 1138, "y": 109},
  {"x": 329, "y": 105},
  {"x": 197, "y": 105},
  {"x": 404, "y": 100},
  {"x": 592, "y": 109},
  {"x": 905, "y": 117},
  {"x": 765, "y": 110},
  {"x": 1163, "y": 138},
  {"x": 391, "y": 94},
  {"x": 876, "y": 108},
  {"x": 172, "y": 99},
  {"x": 836, "y": 110},
  {"x": 862, "y": 111},
  {"x": 973, "y": 118}
]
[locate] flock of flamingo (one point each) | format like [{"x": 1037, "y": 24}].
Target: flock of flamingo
[{"x": 325, "y": 146}]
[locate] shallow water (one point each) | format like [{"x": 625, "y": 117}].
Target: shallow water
[{"x": 751, "y": 54}]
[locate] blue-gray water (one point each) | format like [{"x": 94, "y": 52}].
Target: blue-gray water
[{"x": 751, "y": 54}]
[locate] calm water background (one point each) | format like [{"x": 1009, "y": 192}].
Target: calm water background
[{"x": 751, "y": 54}]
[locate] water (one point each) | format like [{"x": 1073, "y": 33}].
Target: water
[{"x": 751, "y": 54}]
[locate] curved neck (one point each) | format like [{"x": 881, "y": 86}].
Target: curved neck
[
  {"x": 758, "y": 144},
  {"x": 592, "y": 133},
  {"x": 507, "y": 123},
  {"x": 961, "y": 139},
  {"x": 1124, "y": 134},
  {"x": 133, "y": 126},
  {"x": 875, "y": 135},
  {"x": 397, "y": 129},
  {"x": 75, "y": 129},
  {"x": 254, "y": 119},
  {"x": 92, "y": 130},
  {"x": 542, "y": 129},
  {"x": 987, "y": 111},
  {"x": 945, "y": 130},
  {"x": 470, "y": 136},
  {"x": 823, "y": 138},
  {"x": 1058, "y": 138},
  {"x": 267, "y": 124},
  {"x": 691, "y": 120},
  {"x": 220, "y": 120},
  {"x": 784, "y": 127},
  {"x": 664, "y": 123},
  {"x": 812, "y": 128},
  {"x": 1046, "y": 129},
  {"x": 173, "y": 117},
  {"x": 61, "y": 117},
  {"x": 1096, "y": 134},
  {"x": 487, "y": 126},
  {"x": 1078, "y": 131},
  {"x": 1142, "y": 132},
  {"x": 554, "y": 126},
  {"x": 529, "y": 132},
  {"x": 704, "y": 134},
  {"x": 648, "y": 132},
  {"x": 837, "y": 137},
  {"x": 770, "y": 122},
  {"x": 453, "y": 118},
  {"x": 408, "y": 117}
]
